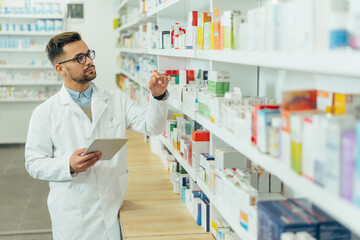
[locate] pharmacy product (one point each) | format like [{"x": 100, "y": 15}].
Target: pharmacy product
[
  {"x": 264, "y": 118},
  {"x": 200, "y": 144}
]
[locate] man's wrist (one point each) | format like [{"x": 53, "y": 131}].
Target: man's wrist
[{"x": 162, "y": 96}]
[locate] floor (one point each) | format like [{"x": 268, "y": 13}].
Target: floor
[
  {"x": 151, "y": 210},
  {"x": 161, "y": 213},
  {"x": 22, "y": 199}
]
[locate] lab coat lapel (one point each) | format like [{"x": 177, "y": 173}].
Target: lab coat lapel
[
  {"x": 65, "y": 99},
  {"x": 98, "y": 105}
]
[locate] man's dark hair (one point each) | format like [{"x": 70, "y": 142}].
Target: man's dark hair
[{"x": 55, "y": 46}]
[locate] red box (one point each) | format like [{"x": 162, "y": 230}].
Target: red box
[
  {"x": 190, "y": 76},
  {"x": 254, "y": 118},
  {"x": 201, "y": 136}
]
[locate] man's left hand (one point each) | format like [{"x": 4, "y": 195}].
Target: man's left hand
[{"x": 158, "y": 84}]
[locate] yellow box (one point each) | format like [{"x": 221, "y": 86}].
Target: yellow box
[
  {"x": 200, "y": 38},
  {"x": 346, "y": 103},
  {"x": 175, "y": 115}
]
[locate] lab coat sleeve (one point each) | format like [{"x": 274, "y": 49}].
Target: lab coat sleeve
[
  {"x": 39, "y": 160},
  {"x": 151, "y": 120}
]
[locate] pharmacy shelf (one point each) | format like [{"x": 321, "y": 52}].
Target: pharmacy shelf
[
  {"x": 29, "y": 33},
  {"x": 179, "y": 158},
  {"x": 31, "y": 83},
  {"x": 122, "y": 4},
  {"x": 344, "y": 212},
  {"x": 22, "y": 50},
  {"x": 220, "y": 207},
  {"x": 24, "y": 67},
  {"x": 151, "y": 14},
  {"x": 188, "y": 112},
  {"x": 22, "y": 100},
  {"x": 134, "y": 51},
  {"x": 326, "y": 63},
  {"x": 133, "y": 78},
  {"x": 31, "y": 16},
  {"x": 175, "y": 104},
  {"x": 161, "y": 7},
  {"x": 185, "y": 53}
]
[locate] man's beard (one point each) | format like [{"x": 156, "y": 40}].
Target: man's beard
[{"x": 85, "y": 78}]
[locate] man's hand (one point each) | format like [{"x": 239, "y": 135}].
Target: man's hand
[
  {"x": 158, "y": 84},
  {"x": 80, "y": 163}
]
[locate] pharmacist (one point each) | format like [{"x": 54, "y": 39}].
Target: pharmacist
[{"x": 86, "y": 194}]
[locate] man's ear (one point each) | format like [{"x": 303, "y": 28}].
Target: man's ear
[{"x": 59, "y": 69}]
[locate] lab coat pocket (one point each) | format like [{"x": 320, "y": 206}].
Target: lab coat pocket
[
  {"x": 114, "y": 127},
  {"x": 65, "y": 212}
]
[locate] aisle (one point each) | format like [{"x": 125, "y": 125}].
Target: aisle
[{"x": 151, "y": 210}]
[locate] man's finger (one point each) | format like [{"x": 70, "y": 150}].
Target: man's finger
[
  {"x": 89, "y": 156},
  {"x": 79, "y": 151}
]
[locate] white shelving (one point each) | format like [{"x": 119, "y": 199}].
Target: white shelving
[
  {"x": 350, "y": 214},
  {"x": 162, "y": 7},
  {"x": 31, "y": 16},
  {"x": 135, "y": 51},
  {"x": 121, "y": 5},
  {"x": 31, "y": 84},
  {"x": 22, "y": 100},
  {"x": 133, "y": 78},
  {"x": 179, "y": 158},
  {"x": 21, "y": 50},
  {"x": 24, "y": 67},
  {"x": 29, "y": 33}
]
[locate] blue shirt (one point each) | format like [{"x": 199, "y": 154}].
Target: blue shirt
[{"x": 83, "y": 99}]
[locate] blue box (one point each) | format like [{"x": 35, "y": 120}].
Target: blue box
[{"x": 294, "y": 215}]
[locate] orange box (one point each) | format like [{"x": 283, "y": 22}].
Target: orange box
[
  {"x": 216, "y": 29},
  {"x": 299, "y": 100},
  {"x": 221, "y": 37}
]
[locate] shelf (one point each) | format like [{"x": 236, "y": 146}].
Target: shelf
[
  {"x": 132, "y": 24},
  {"x": 175, "y": 104},
  {"x": 344, "y": 212},
  {"x": 161, "y": 7},
  {"x": 179, "y": 158},
  {"x": 31, "y": 83},
  {"x": 31, "y": 16},
  {"x": 14, "y": 100},
  {"x": 135, "y": 51},
  {"x": 185, "y": 53},
  {"x": 122, "y": 4},
  {"x": 29, "y": 33},
  {"x": 22, "y": 50},
  {"x": 188, "y": 112},
  {"x": 326, "y": 63},
  {"x": 133, "y": 78},
  {"x": 24, "y": 67}
]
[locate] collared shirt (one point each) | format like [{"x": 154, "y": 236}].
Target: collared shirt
[{"x": 83, "y": 99}]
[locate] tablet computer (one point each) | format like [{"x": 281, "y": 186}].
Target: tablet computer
[{"x": 107, "y": 146}]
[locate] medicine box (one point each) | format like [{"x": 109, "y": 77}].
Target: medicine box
[
  {"x": 264, "y": 117},
  {"x": 200, "y": 144},
  {"x": 356, "y": 188},
  {"x": 230, "y": 158},
  {"x": 299, "y": 100},
  {"x": 218, "y": 83},
  {"x": 295, "y": 215},
  {"x": 254, "y": 118},
  {"x": 346, "y": 103}
]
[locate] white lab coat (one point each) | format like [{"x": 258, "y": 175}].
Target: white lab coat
[{"x": 85, "y": 205}]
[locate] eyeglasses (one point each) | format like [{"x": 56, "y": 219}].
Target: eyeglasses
[{"x": 81, "y": 58}]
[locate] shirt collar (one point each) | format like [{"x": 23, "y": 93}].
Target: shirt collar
[{"x": 76, "y": 95}]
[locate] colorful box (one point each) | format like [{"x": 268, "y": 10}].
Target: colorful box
[
  {"x": 299, "y": 100},
  {"x": 346, "y": 103},
  {"x": 200, "y": 144}
]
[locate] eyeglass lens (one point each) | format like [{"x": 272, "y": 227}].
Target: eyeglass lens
[{"x": 82, "y": 58}]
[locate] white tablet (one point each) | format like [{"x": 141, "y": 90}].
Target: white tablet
[{"x": 107, "y": 146}]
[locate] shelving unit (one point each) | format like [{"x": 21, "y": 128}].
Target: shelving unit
[
  {"x": 261, "y": 65},
  {"x": 29, "y": 33},
  {"x": 25, "y": 67},
  {"x": 22, "y": 50},
  {"x": 32, "y": 16},
  {"x": 22, "y": 100},
  {"x": 31, "y": 84},
  {"x": 133, "y": 78},
  {"x": 17, "y": 111}
]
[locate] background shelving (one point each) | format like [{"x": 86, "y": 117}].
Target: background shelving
[{"x": 258, "y": 73}]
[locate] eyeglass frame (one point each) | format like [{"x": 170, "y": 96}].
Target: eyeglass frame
[{"x": 87, "y": 55}]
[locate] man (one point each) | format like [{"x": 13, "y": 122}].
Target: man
[{"x": 86, "y": 194}]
